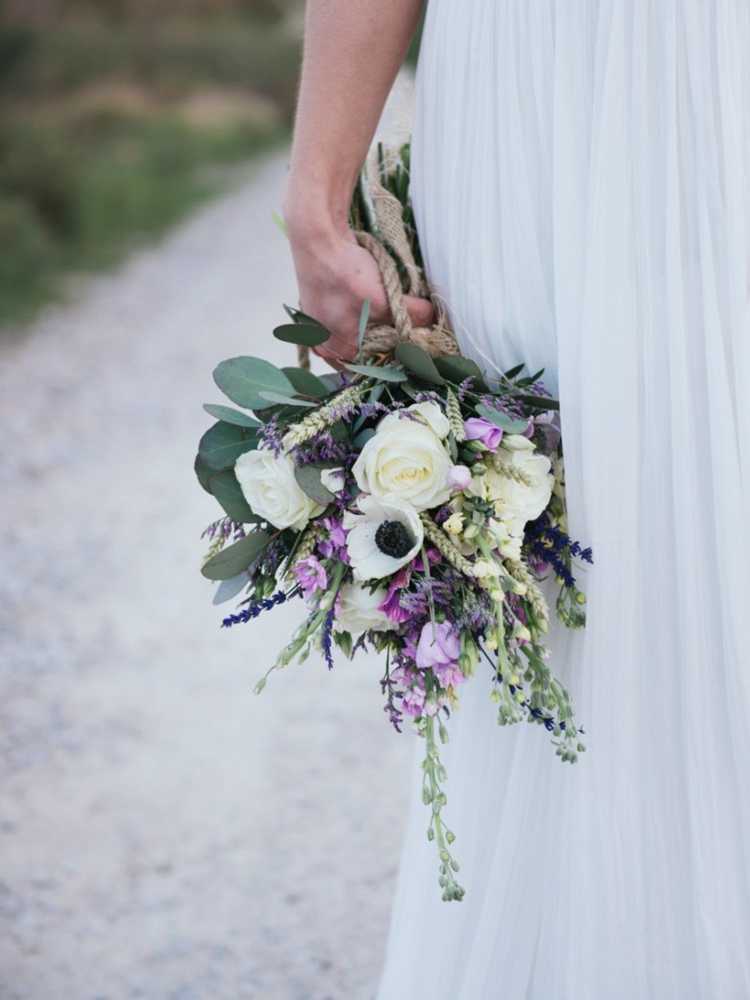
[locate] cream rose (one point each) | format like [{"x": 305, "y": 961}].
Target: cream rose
[
  {"x": 406, "y": 460},
  {"x": 516, "y": 503},
  {"x": 357, "y": 610},
  {"x": 428, "y": 414},
  {"x": 269, "y": 486}
]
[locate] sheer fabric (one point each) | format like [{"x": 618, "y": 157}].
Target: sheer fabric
[{"x": 582, "y": 187}]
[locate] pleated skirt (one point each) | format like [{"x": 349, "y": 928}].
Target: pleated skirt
[{"x": 582, "y": 185}]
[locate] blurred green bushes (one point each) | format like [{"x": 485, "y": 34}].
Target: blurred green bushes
[{"x": 109, "y": 134}]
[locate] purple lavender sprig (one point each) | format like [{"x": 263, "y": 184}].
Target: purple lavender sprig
[
  {"x": 327, "y": 638},
  {"x": 255, "y": 609}
]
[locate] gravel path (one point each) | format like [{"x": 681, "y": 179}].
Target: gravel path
[{"x": 164, "y": 833}]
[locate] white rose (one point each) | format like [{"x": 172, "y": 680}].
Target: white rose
[
  {"x": 426, "y": 413},
  {"x": 406, "y": 460},
  {"x": 516, "y": 503},
  {"x": 269, "y": 486},
  {"x": 357, "y": 610}
]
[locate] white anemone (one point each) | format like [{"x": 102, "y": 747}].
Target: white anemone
[{"x": 385, "y": 535}]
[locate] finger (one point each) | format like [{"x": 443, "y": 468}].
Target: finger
[{"x": 421, "y": 311}]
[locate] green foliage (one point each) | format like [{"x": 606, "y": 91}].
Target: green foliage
[
  {"x": 222, "y": 445},
  {"x": 308, "y": 479},
  {"x": 235, "y": 558},
  {"x": 243, "y": 380},
  {"x": 419, "y": 363},
  {"x": 305, "y": 382},
  {"x": 500, "y": 419},
  {"x": 309, "y": 334},
  {"x": 228, "y": 492},
  {"x": 231, "y": 416}
]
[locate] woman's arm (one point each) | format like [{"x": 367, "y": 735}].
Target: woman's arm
[{"x": 353, "y": 51}]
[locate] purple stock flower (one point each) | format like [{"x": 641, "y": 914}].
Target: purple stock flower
[
  {"x": 334, "y": 545},
  {"x": 311, "y": 575},
  {"x": 479, "y": 429},
  {"x": 439, "y": 646}
]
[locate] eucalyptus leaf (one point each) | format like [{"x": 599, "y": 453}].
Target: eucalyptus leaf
[
  {"x": 297, "y": 316},
  {"x": 364, "y": 317},
  {"x": 361, "y": 439},
  {"x": 500, "y": 419},
  {"x": 243, "y": 380},
  {"x": 306, "y": 383},
  {"x": 419, "y": 363},
  {"x": 540, "y": 402},
  {"x": 228, "y": 589},
  {"x": 203, "y": 473},
  {"x": 222, "y": 445},
  {"x": 231, "y": 416},
  {"x": 228, "y": 492},
  {"x": 282, "y": 398},
  {"x": 235, "y": 558},
  {"x": 457, "y": 369},
  {"x": 308, "y": 479},
  {"x": 309, "y": 334},
  {"x": 385, "y": 373}
]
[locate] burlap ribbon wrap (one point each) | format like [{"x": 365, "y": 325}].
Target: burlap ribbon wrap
[{"x": 381, "y": 339}]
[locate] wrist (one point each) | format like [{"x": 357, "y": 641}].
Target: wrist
[{"x": 315, "y": 214}]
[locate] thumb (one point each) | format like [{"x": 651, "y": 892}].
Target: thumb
[{"x": 421, "y": 311}]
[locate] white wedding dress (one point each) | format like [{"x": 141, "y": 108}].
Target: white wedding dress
[{"x": 582, "y": 186}]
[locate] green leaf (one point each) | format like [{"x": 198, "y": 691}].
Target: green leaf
[
  {"x": 243, "y": 379},
  {"x": 309, "y": 334},
  {"x": 386, "y": 373},
  {"x": 222, "y": 445},
  {"x": 419, "y": 363},
  {"x": 233, "y": 559},
  {"x": 306, "y": 383},
  {"x": 228, "y": 492},
  {"x": 364, "y": 317},
  {"x": 501, "y": 419},
  {"x": 228, "y": 589},
  {"x": 457, "y": 368},
  {"x": 283, "y": 399},
  {"x": 308, "y": 478},
  {"x": 297, "y": 316},
  {"x": 512, "y": 372},
  {"x": 203, "y": 473},
  {"x": 539, "y": 402},
  {"x": 231, "y": 416},
  {"x": 363, "y": 437}
]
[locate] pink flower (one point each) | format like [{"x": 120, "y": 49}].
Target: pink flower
[
  {"x": 449, "y": 674},
  {"x": 311, "y": 575},
  {"x": 392, "y": 603},
  {"x": 413, "y": 702},
  {"x": 334, "y": 546},
  {"x": 460, "y": 476},
  {"x": 478, "y": 429},
  {"x": 439, "y": 646}
]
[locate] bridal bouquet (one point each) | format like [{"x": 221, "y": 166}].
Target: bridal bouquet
[{"x": 411, "y": 502}]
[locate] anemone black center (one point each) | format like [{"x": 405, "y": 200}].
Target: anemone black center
[{"x": 393, "y": 539}]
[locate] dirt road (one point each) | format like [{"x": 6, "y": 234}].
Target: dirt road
[{"x": 164, "y": 833}]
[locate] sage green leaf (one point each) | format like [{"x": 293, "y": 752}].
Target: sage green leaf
[
  {"x": 222, "y": 445},
  {"x": 283, "y": 399},
  {"x": 542, "y": 403},
  {"x": 306, "y": 383},
  {"x": 364, "y": 318},
  {"x": 309, "y": 334},
  {"x": 297, "y": 316},
  {"x": 385, "y": 373},
  {"x": 456, "y": 369},
  {"x": 231, "y": 416},
  {"x": 419, "y": 363},
  {"x": 228, "y": 492},
  {"x": 203, "y": 473},
  {"x": 233, "y": 559},
  {"x": 228, "y": 589},
  {"x": 500, "y": 419},
  {"x": 308, "y": 478},
  {"x": 363, "y": 437},
  {"x": 243, "y": 379},
  {"x": 512, "y": 372}
]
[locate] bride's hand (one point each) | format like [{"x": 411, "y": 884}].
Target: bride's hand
[{"x": 336, "y": 276}]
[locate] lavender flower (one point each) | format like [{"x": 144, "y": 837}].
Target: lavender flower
[{"x": 255, "y": 609}]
